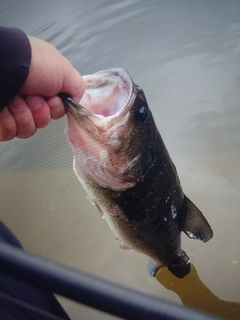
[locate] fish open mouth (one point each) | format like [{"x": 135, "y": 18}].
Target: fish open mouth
[
  {"x": 108, "y": 92},
  {"x": 108, "y": 97}
]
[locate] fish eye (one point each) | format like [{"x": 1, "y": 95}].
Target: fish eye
[{"x": 142, "y": 114}]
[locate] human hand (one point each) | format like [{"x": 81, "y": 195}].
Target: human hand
[{"x": 36, "y": 104}]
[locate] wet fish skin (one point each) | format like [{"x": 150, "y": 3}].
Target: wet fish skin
[
  {"x": 146, "y": 208},
  {"x": 150, "y": 215},
  {"x": 150, "y": 210}
]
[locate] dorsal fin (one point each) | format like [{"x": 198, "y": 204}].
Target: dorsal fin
[{"x": 195, "y": 224}]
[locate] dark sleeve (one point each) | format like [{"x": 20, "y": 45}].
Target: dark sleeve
[
  {"x": 21, "y": 301},
  {"x": 15, "y": 57}
]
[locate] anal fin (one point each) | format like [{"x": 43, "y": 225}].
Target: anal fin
[
  {"x": 153, "y": 268},
  {"x": 193, "y": 222}
]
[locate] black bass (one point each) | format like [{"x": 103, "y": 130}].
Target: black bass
[{"x": 122, "y": 163}]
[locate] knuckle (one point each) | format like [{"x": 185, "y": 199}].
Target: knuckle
[
  {"x": 27, "y": 134},
  {"x": 42, "y": 122},
  {"x": 7, "y": 132}
]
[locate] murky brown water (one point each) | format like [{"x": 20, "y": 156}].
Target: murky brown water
[{"x": 186, "y": 56}]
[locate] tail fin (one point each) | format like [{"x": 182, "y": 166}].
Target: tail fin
[{"x": 180, "y": 267}]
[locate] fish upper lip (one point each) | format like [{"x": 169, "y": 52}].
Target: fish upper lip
[{"x": 72, "y": 105}]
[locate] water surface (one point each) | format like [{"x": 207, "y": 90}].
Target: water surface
[{"x": 186, "y": 56}]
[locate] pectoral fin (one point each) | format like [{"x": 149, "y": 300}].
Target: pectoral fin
[
  {"x": 194, "y": 224},
  {"x": 125, "y": 247}
]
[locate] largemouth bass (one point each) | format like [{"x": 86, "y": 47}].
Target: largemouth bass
[{"x": 122, "y": 163}]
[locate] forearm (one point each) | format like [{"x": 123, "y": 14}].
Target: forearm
[{"x": 15, "y": 57}]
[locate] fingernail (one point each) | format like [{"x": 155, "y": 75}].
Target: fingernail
[
  {"x": 4, "y": 112},
  {"x": 34, "y": 102},
  {"x": 17, "y": 104}
]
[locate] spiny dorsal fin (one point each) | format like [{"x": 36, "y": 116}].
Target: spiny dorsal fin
[{"x": 195, "y": 224}]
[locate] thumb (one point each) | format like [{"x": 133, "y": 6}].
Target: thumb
[
  {"x": 50, "y": 73},
  {"x": 73, "y": 83}
]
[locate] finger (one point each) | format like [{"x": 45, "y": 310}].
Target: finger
[
  {"x": 39, "y": 109},
  {"x": 56, "y": 107},
  {"x": 23, "y": 118},
  {"x": 8, "y": 126}
]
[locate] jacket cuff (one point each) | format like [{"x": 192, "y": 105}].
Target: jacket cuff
[{"x": 15, "y": 58}]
